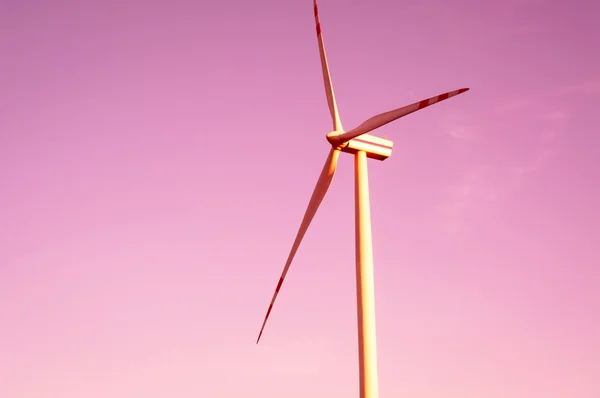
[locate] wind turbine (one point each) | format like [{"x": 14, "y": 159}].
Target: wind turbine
[{"x": 362, "y": 145}]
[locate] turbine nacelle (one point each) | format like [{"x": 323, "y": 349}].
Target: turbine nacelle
[{"x": 376, "y": 147}]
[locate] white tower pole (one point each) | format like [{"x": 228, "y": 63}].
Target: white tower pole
[{"x": 365, "y": 287}]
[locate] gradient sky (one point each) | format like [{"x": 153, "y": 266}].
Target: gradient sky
[{"x": 156, "y": 159}]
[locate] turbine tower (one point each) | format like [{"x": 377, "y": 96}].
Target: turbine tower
[{"x": 361, "y": 145}]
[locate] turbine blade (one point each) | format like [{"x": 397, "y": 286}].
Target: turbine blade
[
  {"x": 337, "y": 124},
  {"x": 321, "y": 188},
  {"x": 387, "y": 117}
]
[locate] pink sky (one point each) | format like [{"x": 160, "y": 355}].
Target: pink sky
[{"x": 156, "y": 159}]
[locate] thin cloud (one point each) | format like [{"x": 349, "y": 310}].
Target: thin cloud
[
  {"x": 541, "y": 159},
  {"x": 515, "y": 104},
  {"x": 555, "y": 116},
  {"x": 557, "y": 121},
  {"x": 483, "y": 186},
  {"x": 587, "y": 87},
  {"x": 462, "y": 133},
  {"x": 459, "y": 197}
]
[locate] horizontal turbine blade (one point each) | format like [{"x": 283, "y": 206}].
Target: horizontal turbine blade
[
  {"x": 387, "y": 117},
  {"x": 317, "y": 197},
  {"x": 337, "y": 124}
]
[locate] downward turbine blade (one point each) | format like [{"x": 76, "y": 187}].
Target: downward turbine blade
[
  {"x": 317, "y": 197},
  {"x": 337, "y": 124},
  {"x": 387, "y": 117}
]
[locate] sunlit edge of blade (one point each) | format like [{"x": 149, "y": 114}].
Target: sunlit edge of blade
[
  {"x": 380, "y": 120},
  {"x": 319, "y": 193}
]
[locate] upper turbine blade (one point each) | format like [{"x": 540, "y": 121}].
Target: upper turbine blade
[
  {"x": 387, "y": 117},
  {"x": 317, "y": 197},
  {"x": 337, "y": 124}
]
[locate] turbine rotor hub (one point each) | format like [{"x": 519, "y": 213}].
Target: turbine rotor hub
[{"x": 333, "y": 134}]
